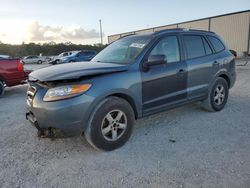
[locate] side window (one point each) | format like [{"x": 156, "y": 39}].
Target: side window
[
  {"x": 194, "y": 46},
  {"x": 217, "y": 44},
  {"x": 80, "y": 54},
  {"x": 207, "y": 47},
  {"x": 169, "y": 47}
]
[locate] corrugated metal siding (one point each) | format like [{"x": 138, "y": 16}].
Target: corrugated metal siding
[
  {"x": 234, "y": 29},
  {"x": 165, "y": 27},
  {"x": 113, "y": 38},
  {"x": 201, "y": 24},
  {"x": 144, "y": 31}
]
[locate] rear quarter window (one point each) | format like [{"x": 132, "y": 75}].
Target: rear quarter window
[
  {"x": 207, "y": 47},
  {"x": 216, "y": 43}
]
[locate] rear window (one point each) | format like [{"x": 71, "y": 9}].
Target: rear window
[
  {"x": 217, "y": 44},
  {"x": 194, "y": 46}
]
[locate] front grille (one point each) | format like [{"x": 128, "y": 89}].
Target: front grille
[{"x": 30, "y": 94}]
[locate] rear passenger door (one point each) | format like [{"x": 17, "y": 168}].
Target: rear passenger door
[
  {"x": 201, "y": 64},
  {"x": 82, "y": 56}
]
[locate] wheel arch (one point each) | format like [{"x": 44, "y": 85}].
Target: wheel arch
[
  {"x": 222, "y": 74},
  {"x": 2, "y": 78},
  {"x": 129, "y": 99},
  {"x": 226, "y": 77}
]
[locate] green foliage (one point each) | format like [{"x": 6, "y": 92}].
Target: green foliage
[{"x": 46, "y": 49}]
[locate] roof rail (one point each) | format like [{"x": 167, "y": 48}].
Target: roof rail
[
  {"x": 127, "y": 35},
  {"x": 165, "y": 30},
  {"x": 202, "y": 30},
  {"x": 180, "y": 29}
]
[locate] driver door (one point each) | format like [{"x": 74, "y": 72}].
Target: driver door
[{"x": 165, "y": 84}]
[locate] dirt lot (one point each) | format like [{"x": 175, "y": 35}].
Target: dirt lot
[{"x": 185, "y": 147}]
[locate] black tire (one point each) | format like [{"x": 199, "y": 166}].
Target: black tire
[
  {"x": 213, "y": 104},
  {"x": 95, "y": 127},
  {"x": 56, "y": 62},
  {"x": 1, "y": 88},
  {"x": 39, "y": 62}
]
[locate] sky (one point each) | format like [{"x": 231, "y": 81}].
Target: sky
[{"x": 77, "y": 21}]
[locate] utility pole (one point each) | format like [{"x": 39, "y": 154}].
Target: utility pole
[{"x": 100, "y": 21}]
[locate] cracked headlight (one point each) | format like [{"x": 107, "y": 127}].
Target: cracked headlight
[{"x": 65, "y": 92}]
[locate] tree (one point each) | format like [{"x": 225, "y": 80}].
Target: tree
[{"x": 47, "y": 49}]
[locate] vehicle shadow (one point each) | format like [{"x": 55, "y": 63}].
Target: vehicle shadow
[
  {"x": 144, "y": 131},
  {"x": 161, "y": 130},
  {"x": 15, "y": 91}
]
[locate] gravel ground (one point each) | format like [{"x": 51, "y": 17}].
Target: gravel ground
[{"x": 185, "y": 147}]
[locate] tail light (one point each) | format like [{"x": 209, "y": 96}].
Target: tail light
[{"x": 19, "y": 65}]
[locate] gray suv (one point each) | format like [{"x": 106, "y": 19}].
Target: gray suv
[{"x": 134, "y": 77}]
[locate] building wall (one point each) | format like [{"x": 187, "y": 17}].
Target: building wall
[
  {"x": 144, "y": 31},
  {"x": 113, "y": 38},
  {"x": 234, "y": 29},
  {"x": 165, "y": 27},
  {"x": 201, "y": 24}
]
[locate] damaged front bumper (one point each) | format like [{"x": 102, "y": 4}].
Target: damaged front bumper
[{"x": 68, "y": 116}]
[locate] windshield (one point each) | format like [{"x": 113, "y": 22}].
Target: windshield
[
  {"x": 123, "y": 51},
  {"x": 63, "y": 54}
]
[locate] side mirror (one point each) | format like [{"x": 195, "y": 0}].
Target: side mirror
[{"x": 154, "y": 60}]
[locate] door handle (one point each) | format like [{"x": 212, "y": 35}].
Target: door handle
[
  {"x": 216, "y": 63},
  {"x": 181, "y": 72}
]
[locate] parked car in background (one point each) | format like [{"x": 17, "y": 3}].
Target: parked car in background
[
  {"x": 133, "y": 77},
  {"x": 4, "y": 57},
  {"x": 57, "y": 59},
  {"x": 11, "y": 73},
  {"x": 33, "y": 59},
  {"x": 76, "y": 56}
]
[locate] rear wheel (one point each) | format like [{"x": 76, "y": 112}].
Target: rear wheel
[
  {"x": 218, "y": 95},
  {"x": 111, "y": 124},
  {"x": 1, "y": 88},
  {"x": 39, "y": 62}
]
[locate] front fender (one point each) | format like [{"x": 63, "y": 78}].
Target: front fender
[{"x": 116, "y": 92}]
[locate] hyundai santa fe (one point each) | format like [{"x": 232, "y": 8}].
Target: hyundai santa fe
[{"x": 133, "y": 77}]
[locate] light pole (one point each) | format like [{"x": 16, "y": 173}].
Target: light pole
[{"x": 100, "y": 21}]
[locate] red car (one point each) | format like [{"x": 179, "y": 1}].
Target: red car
[{"x": 11, "y": 73}]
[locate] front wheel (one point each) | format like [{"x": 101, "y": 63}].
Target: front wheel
[
  {"x": 218, "y": 95},
  {"x": 111, "y": 124},
  {"x": 1, "y": 88}
]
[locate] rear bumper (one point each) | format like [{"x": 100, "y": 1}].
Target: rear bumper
[
  {"x": 22, "y": 79},
  {"x": 15, "y": 82},
  {"x": 232, "y": 78}
]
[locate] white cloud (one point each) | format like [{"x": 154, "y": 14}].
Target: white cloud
[
  {"x": 41, "y": 33},
  {"x": 16, "y": 31}
]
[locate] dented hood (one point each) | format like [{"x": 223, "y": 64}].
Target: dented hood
[{"x": 74, "y": 71}]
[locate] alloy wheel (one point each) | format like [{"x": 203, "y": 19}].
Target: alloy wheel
[
  {"x": 219, "y": 95},
  {"x": 114, "y": 124}
]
